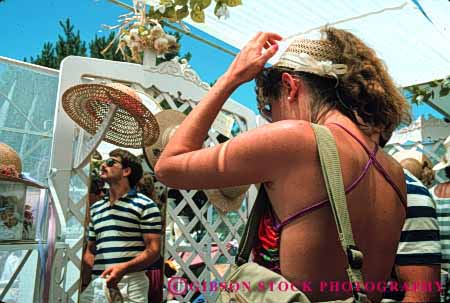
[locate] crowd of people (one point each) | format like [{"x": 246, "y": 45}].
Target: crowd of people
[{"x": 336, "y": 81}]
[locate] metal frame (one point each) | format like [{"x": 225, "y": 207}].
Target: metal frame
[
  {"x": 15, "y": 274},
  {"x": 30, "y": 246}
]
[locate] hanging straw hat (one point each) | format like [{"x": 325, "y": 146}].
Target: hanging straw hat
[
  {"x": 445, "y": 162},
  {"x": 133, "y": 125},
  {"x": 168, "y": 121},
  {"x": 228, "y": 198},
  {"x": 11, "y": 167},
  {"x": 225, "y": 199}
]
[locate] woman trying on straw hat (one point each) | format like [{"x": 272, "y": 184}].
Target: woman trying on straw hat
[{"x": 337, "y": 82}]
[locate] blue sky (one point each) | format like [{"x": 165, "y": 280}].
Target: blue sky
[{"x": 27, "y": 25}]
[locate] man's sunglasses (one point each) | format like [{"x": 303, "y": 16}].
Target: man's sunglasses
[{"x": 110, "y": 162}]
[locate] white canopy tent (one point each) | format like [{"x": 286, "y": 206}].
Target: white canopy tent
[
  {"x": 415, "y": 46},
  {"x": 421, "y": 130}
]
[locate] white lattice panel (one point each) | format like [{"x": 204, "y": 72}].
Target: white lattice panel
[{"x": 205, "y": 225}]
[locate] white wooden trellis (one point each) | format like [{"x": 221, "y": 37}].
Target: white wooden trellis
[{"x": 170, "y": 84}]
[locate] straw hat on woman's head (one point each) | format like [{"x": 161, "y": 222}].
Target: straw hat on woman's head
[
  {"x": 168, "y": 121},
  {"x": 11, "y": 167},
  {"x": 445, "y": 162},
  {"x": 133, "y": 125}
]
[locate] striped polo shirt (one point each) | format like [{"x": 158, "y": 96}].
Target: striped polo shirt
[
  {"x": 443, "y": 213},
  {"x": 118, "y": 229},
  {"x": 419, "y": 240}
]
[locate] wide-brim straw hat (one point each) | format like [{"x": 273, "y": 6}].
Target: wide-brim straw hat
[
  {"x": 228, "y": 198},
  {"x": 10, "y": 159},
  {"x": 168, "y": 121},
  {"x": 133, "y": 125},
  {"x": 445, "y": 162}
]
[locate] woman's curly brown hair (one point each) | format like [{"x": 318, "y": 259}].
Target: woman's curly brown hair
[
  {"x": 366, "y": 93},
  {"x": 367, "y": 87}
]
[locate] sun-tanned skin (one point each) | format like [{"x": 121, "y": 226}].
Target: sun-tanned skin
[{"x": 283, "y": 156}]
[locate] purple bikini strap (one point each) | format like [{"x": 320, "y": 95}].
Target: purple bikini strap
[
  {"x": 279, "y": 225},
  {"x": 377, "y": 165},
  {"x": 372, "y": 160}
]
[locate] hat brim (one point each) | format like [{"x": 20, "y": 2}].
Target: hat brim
[
  {"x": 133, "y": 125},
  {"x": 167, "y": 120},
  {"x": 21, "y": 180},
  {"x": 223, "y": 203}
]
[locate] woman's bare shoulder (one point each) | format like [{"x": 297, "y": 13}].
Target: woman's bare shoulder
[{"x": 293, "y": 134}]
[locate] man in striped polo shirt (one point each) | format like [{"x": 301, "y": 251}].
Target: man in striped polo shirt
[
  {"x": 419, "y": 251},
  {"x": 124, "y": 232}
]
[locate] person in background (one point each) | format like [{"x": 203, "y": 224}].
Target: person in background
[
  {"x": 146, "y": 186},
  {"x": 441, "y": 195},
  {"x": 124, "y": 233},
  {"x": 421, "y": 170},
  {"x": 419, "y": 251}
]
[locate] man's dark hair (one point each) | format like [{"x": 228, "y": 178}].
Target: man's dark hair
[
  {"x": 131, "y": 161},
  {"x": 447, "y": 172}
]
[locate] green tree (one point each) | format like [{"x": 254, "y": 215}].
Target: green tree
[
  {"x": 47, "y": 56},
  {"x": 70, "y": 43},
  {"x": 98, "y": 44}
]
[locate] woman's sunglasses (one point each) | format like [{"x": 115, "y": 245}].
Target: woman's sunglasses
[
  {"x": 110, "y": 162},
  {"x": 264, "y": 105},
  {"x": 265, "y": 110}
]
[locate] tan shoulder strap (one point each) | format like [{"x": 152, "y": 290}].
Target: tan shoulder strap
[{"x": 331, "y": 170}]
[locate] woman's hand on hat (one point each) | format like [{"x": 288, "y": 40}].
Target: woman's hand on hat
[{"x": 252, "y": 58}]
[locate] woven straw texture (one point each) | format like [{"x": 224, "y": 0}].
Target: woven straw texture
[
  {"x": 227, "y": 199},
  {"x": 167, "y": 120},
  {"x": 319, "y": 49},
  {"x": 133, "y": 125},
  {"x": 8, "y": 156}
]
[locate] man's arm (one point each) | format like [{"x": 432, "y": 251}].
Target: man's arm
[
  {"x": 88, "y": 264},
  {"x": 149, "y": 256},
  {"x": 146, "y": 258},
  {"x": 417, "y": 273}
]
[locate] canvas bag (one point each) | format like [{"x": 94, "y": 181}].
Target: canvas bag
[{"x": 254, "y": 273}]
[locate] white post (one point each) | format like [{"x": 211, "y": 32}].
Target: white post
[{"x": 149, "y": 58}]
